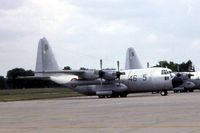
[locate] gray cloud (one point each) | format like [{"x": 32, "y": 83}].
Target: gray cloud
[
  {"x": 10, "y": 4},
  {"x": 87, "y": 30}
]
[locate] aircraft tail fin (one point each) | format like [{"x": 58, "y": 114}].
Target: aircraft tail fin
[
  {"x": 132, "y": 61},
  {"x": 45, "y": 58}
]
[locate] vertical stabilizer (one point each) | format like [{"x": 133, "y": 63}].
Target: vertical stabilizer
[
  {"x": 45, "y": 57},
  {"x": 132, "y": 61}
]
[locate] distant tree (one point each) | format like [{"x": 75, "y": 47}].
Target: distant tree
[
  {"x": 13, "y": 81},
  {"x": 16, "y": 72},
  {"x": 2, "y": 82},
  {"x": 183, "y": 67},
  {"x": 67, "y": 68},
  {"x": 171, "y": 65},
  {"x": 83, "y": 68}
]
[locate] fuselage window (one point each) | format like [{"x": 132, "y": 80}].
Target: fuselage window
[
  {"x": 164, "y": 72},
  {"x": 166, "y": 78}
]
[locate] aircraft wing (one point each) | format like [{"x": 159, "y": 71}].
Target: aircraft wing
[
  {"x": 82, "y": 74},
  {"x": 87, "y": 82},
  {"x": 74, "y": 72},
  {"x": 34, "y": 77},
  {"x": 53, "y": 72}
]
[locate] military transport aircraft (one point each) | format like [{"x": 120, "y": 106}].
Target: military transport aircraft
[
  {"x": 193, "y": 81},
  {"x": 190, "y": 81},
  {"x": 104, "y": 83},
  {"x": 185, "y": 81}
]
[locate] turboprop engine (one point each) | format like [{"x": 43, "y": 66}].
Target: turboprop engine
[
  {"x": 102, "y": 90},
  {"x": 108, "y": 74}
]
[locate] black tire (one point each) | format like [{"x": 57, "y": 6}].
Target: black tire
[
  {"x": 101, "y": 96},
  {"x": 163, "y": 93},
  {"x": 191, "y": 90},
  {"x": 109, "y": 96}
]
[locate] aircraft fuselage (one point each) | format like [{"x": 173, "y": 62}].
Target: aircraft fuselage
[{"x": 136, "y": 80}]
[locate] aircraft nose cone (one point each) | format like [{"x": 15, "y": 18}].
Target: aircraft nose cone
[{"x": 176, "y": 81}]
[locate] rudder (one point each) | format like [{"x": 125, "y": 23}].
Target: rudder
[
  {"x": 45, "y": 57},
  {"x": 132, "y": 61}
]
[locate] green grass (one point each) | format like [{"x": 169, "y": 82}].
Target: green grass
[{"x": 31, "y": 94}]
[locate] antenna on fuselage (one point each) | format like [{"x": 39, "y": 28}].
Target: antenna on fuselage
[
  {"x": 147, "y": 64},
  {"x": 101, "y": 72}
]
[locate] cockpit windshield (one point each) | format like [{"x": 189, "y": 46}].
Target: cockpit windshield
[{"x": 165, "y": 72}]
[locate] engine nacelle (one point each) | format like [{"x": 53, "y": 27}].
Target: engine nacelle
[
  {"x": 188, "y": 85},
  {"x": 89, "y": 75},
  {"x": 104, "y": 90},
  {"x": 63, "y": 79},
  {"x": 110, "y": 75}
]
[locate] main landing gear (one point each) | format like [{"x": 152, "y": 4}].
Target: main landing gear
[
  {"x": 163, "y": 93},
  {"x": 115, "y": 95}
]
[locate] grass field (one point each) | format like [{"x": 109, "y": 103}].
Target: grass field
[{"x": 31, "y": 94}]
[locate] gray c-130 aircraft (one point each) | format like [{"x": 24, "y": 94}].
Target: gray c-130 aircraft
[{"x": 104, "y": 83}]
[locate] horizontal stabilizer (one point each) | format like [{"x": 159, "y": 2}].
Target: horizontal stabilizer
[
  {"x": 33, "y": 77},
  {"x": 75, "y": 72}
]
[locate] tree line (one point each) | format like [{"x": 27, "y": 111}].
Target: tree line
[
  {"x": 13, "y": 82},
  {"x": 175, "y": 67}
]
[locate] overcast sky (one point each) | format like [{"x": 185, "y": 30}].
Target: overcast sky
[{"x": 83, "y": 31}]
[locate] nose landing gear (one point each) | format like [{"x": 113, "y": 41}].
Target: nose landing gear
[{"x": 164, "y": 93}]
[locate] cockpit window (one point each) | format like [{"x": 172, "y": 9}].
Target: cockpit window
[{"x": 164, "y": 72}]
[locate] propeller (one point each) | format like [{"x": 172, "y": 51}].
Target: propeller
[
  {"x": 101, "y": 72},
  {"x": 109, "y": 75},
  {"x": 184, "y": 76},
  {"x": 181, "y": 79},
  {"x": 118, "y": 73}
]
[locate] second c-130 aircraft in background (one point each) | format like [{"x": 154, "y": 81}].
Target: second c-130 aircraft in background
[{"x": 105, "y": 83}]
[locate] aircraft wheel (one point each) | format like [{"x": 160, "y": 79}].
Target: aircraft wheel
[
  {"x": 101, "y": 96},
  {"x": 191, "y": 90},
  {"x": 163, "y": 93},
  {"x": 108, "y": 96}
]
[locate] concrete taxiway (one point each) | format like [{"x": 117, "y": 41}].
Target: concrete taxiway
[{"x": 139, "y": 113}]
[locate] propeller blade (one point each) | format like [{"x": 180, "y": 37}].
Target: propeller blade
[
  {"x": 101, "y": 63},
  {"x": 118, "y": 66},
  {"x": 101, "y": 72},
  {"x": 118, "y": 73}
]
